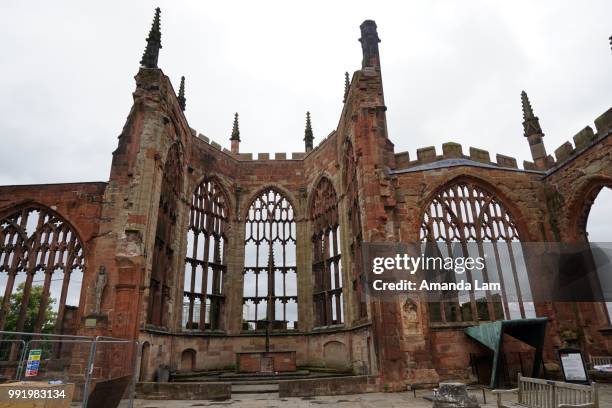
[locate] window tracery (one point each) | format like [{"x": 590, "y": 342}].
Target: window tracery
[
  {"x": 326, "y": 265},
  {"x": 161, "y": 282},
  {"x": 205, "y": 263},
  {"x": 270, "y": 271},
  {"x": 466, "y": 220},
  {"x": 41, "y": 261}
]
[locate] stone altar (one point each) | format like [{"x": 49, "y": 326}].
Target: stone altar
[{"x": 266, "y": 362}]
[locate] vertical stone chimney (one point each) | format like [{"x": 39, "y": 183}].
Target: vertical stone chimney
[{"x": 369, "y": 44}]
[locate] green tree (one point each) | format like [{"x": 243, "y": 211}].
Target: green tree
[{"x": 36, "y": 295}]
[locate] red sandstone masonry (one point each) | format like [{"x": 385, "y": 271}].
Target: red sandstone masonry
[{"x": 117, "y": 223}]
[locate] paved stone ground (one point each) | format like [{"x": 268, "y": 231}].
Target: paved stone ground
[{"x": 376, "y": 400}]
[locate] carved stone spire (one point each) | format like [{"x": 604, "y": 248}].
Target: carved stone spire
[
  {"x": 181, "y": 94},
  {"x": 151, "y": 53},
  {"x": 347, "y": 85},
  {"x": 235, "y": 129},
  {"x": 369, "y": 44},
  {"x": 235, "y": 138},
  {"x": 531, "y": 123},
  {"x": 308, "y": 135},
  {"x": 533, "y": 132}
]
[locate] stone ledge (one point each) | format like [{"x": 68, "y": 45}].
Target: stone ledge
[{"x": 184, "y": 391}]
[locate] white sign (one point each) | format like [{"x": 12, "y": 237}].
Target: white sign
[{"x": 573, "y": 366}]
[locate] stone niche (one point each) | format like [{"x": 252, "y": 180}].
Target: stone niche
[
  {"x": 336, "y": 355},
  {"x": 266, "y": 362}
]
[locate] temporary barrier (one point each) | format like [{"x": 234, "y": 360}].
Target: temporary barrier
[{"x": 102, "y": 369}]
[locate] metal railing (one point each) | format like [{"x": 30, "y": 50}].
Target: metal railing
[{"x": 61, "y": 339}]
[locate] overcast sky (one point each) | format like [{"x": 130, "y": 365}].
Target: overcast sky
[{"x": 452, "y": 70}]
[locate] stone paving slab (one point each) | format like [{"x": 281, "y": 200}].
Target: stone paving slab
[{"x": 373, "y": 400}]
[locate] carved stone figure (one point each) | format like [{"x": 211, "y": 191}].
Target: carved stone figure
[
  {"x": 100, "y": 285},
  {"x": 410, "y": 317}
]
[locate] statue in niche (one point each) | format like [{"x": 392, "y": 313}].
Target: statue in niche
[
  {"x": 410, "y": 317},
  {"x": 101, "y": 281}
]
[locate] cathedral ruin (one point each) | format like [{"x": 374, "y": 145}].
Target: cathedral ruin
[{"x": 218, "y": 260}]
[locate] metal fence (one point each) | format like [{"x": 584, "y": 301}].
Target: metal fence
[{"x": 103, "y": 369}]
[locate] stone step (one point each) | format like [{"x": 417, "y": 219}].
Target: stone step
[
  {"x": 254, "y": 388},
  {"x": 264, "y": 396},
  {"x": 240, "y": 380},
  {"x": 253, "y": 378},
  {"x": 228, "y": 376}
]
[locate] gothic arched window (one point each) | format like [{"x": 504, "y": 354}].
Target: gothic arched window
[
  {"x": 205, "y": 264},
  {"x": 161, "y": 281},
  {"x": 270, "y": 272},
  {"x": 326, "y": 265},
  {"x": 466, "y": 220},
  {"x": 355, "y": 237},
  {"x": 41, "y": 267}
]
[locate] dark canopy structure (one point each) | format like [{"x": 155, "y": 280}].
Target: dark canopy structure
[{"x": 491, "y": 335}]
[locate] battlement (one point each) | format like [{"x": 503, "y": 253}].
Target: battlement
[
  {"x": 584, "y": 139},
  {"x": 260, "y": 156},
  {"x": 452, "y": 150}
]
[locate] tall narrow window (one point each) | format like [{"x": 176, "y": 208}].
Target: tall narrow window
[
  {"x": 270, "y": 272},
  {"x": 162, "y": 278},
  {"x": 205, "y": 263},
  {"x": 41, "y": 269},
  {"x": 355, "y": 239},
  {"x": 465, "y": 220},
  {"x": 326, "y": 265}
]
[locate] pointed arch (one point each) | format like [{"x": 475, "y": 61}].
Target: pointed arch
[
  {"x": 465, "y": 218},
  {"x": 41, "y": 256},
  {"x": 326, "y": 265},
  {"x": 518, "y": 220},
  {"x": 315, "y": 183},
  {"x": 270, "y": 267},
  {"x": 351, "y": 193},
  {"x": 579, "y": 205},
  {"x": 282, "y": 191},
  {"x": 205, "y": 261},
  {"x": 162, "y": 279},
  {"x": 470, "y": 212}
]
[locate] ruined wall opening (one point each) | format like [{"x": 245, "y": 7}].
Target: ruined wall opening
[
  {"x": 205, "y": 262},
  {"x": 326, "y": 262},
  {"x": 41, "y": 270},
  {"x": 162, "y": 279},
  {"x": 466, "y": 220},
  {"x": 599, "y": 226},
  {"x": 355, "y": 235},
  {"x": 270, "y": 269}
]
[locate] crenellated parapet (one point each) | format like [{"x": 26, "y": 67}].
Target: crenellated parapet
[
  {"x": 200, "y": 138},
  {"x": 584, "y": 139},
  {"x": 452, "y": 155}
]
